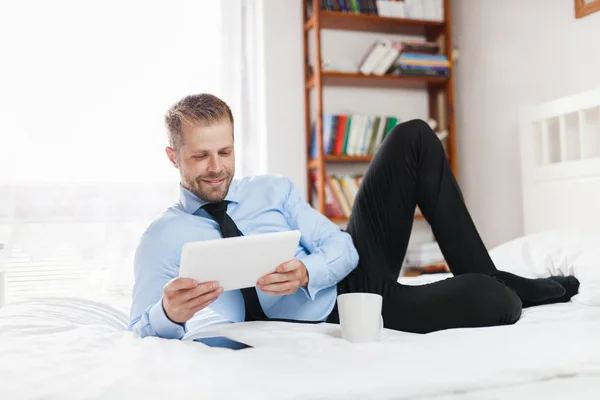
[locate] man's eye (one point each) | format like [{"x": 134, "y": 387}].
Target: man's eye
[
  {"x": 226, "y": 153},
  {"x": 199, "y": 157}
]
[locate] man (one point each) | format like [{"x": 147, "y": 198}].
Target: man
[{"x": 409, "y": 169}]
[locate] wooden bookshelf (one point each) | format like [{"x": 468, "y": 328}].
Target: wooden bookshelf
[
  {"x": 374, "y": 23},
  {"x": 316, "y": 79},
  {"x": 329, "y": 78}
]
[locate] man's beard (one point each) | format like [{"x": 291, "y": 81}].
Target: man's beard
[{"x": 204, "y": 191}]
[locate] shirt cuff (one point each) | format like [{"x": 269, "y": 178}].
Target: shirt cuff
[
  {"x": 316, "y": 266},
  {"x": 162, "y": 325}
]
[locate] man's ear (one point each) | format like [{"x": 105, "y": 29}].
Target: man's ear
[{"x": 172, "y": 156}]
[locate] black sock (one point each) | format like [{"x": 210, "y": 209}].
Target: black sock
[
  {"x": 532, "y": 291},
  {"x": 571, "y": 285}
]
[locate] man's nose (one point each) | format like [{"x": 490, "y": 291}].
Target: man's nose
[{"x": 214, "y": 164}]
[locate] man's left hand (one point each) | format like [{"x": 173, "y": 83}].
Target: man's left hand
[{"x": 287, "y": 278}]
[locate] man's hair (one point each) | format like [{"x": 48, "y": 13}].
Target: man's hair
[{"x": 197, "y": 109}]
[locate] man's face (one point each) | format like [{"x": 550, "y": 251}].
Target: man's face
[{"x": 206, "y": 160}]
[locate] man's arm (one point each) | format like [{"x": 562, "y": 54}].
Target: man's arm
[
  {"x": 332, "y": 253},
  {"x": 154, "y": 267},
  {"x": 162, "y": 302}
]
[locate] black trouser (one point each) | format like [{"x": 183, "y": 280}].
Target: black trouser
[{"x": 409, "y": 169}]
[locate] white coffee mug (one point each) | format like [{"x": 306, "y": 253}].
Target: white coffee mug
[{"x": 360, "y": 316}]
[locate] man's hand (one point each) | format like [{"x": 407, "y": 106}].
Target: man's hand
[
  {"x": 183, "y": 297},
  {"x": 286, "y": 279}
]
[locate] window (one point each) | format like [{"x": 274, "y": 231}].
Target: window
[{"x": 82, "y": 164}]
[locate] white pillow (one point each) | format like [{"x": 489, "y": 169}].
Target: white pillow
[{"x": 556, "y": 252}]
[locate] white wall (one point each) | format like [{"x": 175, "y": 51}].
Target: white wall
[
  {"x": 512, "y": 53},
  {"x": 281, "y": 82}
]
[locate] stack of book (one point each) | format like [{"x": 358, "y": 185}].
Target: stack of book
[
  {"x": 352, "y": 135},
  {"x": 350, "y": 6},
  {"x": 404, "y": 58},
  {"x": 431, "y": 10},
  {"x": 424, "y": 258},
  {"x": 427, "y": 10},
  {"x": 440, "y": 268},
  {"x": 424, "y": 254},
  {"x": 339, "y": 194},
  {"x": 421, "y": 59}
]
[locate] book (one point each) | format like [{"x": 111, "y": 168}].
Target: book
[
  {"x": 385, "y": 56},
  {"x": 340, "y": 195},
  {"x": 352, "y": 134},
  {"x": 332, "y": 207},
  {"x": 340, "y": 192},
  {"x": 374, "y": 56}
]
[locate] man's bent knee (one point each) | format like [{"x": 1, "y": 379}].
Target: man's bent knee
[
  {"x": 413, "y": 131},
  {"x": 505, "y": 305},
  {"x": 493, "y": 301},
  {"x": 513, "y": 307}
]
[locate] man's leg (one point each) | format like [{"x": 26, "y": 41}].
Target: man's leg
[
  {"x": 411, "y": 168},
  {"x": 464, "y": 301}
]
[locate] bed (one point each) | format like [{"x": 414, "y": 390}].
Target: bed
[
  {"x": 65, "y": 348},
  {"x": 78, "y": 349}
]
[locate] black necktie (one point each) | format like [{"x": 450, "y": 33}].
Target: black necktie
[{"x": 254, "y": 311}]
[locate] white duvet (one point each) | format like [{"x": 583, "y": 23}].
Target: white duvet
[{"x": 76, "y": 349}]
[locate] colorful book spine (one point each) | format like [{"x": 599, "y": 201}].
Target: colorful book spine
[
  {"x": 340, "y": 194},
  {"x": 352, "y": 135}
]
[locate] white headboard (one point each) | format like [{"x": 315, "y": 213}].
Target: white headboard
[{"x": 560, "y": 162}]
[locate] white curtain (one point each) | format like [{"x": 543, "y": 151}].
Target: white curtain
[
  {"x": 83, "y": 90},
  {"x": 242, "y": 59}
]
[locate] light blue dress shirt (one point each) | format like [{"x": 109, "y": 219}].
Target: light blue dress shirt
[{"x": 260, "y": 204}]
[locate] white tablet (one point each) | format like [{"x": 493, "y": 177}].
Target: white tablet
[{"x": 237, "y": 262}]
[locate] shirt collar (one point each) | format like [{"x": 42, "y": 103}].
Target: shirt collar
[{"x": 191, "y": 203}]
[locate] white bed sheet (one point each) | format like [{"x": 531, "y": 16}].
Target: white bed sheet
[{"x": 76, "y": 349}]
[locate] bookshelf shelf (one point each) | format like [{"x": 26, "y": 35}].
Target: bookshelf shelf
[
  {"x": 329, "y": 78},
  {"x": 374, "y": 23},
  {"x": 314, "y": 163},
  {"x": 343, "y": 220},
  {"x": 338, "y": 220}
]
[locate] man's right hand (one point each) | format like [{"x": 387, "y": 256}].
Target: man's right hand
[{"x": 183, "y": 297}]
